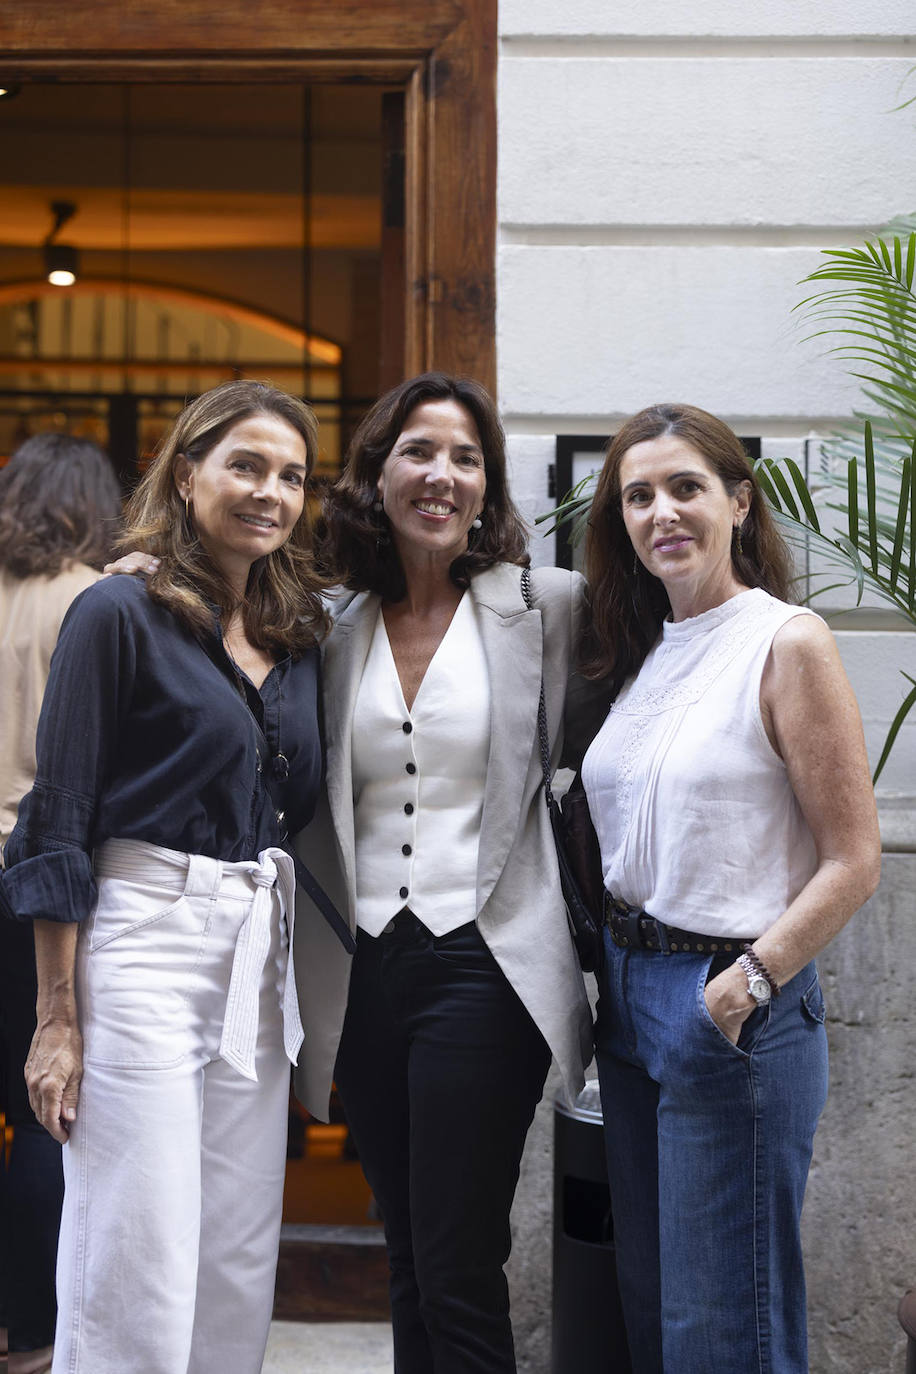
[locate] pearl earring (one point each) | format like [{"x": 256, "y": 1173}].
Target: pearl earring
[{"x": 477, "y": 523}]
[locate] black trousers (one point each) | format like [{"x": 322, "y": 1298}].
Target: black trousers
[
  {"x": 32, "y": 1186},
  {"x": 440, "y": 1069}
]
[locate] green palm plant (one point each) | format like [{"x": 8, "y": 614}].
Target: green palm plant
[
  {"x": 874, "y": 550},
  {"x": 870, "y": 306}
]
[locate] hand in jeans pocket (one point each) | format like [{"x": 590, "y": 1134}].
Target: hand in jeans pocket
[{"x": 727, "y": 999}]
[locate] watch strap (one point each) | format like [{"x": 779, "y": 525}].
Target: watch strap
[{"x": 760, "y": 967}]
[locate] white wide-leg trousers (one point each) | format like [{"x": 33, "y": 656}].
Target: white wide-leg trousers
[{"x": 175, "y": 1164}]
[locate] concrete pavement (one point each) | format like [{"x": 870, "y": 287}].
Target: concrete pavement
[{"x": 329, "y": 1348}]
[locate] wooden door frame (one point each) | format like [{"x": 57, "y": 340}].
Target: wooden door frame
[{"x": 442, "y": 51}]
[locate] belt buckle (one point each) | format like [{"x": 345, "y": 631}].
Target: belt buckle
[
  {"x": 632, "y": 922},
  {"x": 626, "y": 921},
  {"x": 659, "y": 931},
  {"x": 623, "y": 922},
  {"x": 638, "y": 929}
]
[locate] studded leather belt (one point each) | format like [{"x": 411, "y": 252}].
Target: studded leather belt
[{"x": 632, "y": 928}]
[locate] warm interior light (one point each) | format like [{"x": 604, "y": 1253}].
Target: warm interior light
[
  {"x": 61, "y": 264},
  {"x": 8, "y": 89}
]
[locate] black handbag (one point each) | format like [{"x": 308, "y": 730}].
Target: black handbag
[{"x": 578, "y": 853}]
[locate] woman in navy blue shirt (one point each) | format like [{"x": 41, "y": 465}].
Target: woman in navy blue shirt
[{"x": 178, "y": 744}]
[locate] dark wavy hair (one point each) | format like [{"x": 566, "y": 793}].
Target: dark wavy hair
[
  {"x": 628, "y": 604},
  {"x": 354, "y": 549},
  {"x": 60, "y": 503},
  {"x": 282, "y": 610}
]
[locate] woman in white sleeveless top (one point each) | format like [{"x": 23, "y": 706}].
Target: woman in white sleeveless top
[{"x": 729, "y": 788}]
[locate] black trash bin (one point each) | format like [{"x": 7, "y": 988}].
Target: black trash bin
[{"x": 588, "y": 1330}]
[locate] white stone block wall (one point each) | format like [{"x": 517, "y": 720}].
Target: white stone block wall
[{"x": 668, "y": 172}]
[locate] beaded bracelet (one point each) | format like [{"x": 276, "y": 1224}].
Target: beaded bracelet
[{"x": 762, "y": 969}]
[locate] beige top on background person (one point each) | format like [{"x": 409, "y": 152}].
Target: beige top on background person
[{"x": 31, "y": 611}]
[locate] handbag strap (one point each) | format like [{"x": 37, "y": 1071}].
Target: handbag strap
[{"x": 543, "y": 738}]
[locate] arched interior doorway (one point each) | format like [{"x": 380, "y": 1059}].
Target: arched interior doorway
[{"x": 63, "y": 361}]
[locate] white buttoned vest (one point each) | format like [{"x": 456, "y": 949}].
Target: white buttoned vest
[{"x": 418, "y": 781}]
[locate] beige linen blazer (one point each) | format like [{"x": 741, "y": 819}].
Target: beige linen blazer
[{"x": 520, "y": 909}]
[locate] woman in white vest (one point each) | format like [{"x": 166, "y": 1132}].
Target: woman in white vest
[
  {"x": 465, "y": 980},
  {"x": 730, "y": 791}
]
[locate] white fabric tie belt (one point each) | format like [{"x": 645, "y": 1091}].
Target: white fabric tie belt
[
  {"x": 274, "y": 867},
  {"x": 199, "y": 876}
]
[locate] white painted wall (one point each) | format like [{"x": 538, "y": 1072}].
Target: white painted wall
[{"x": 668, "y": 172}]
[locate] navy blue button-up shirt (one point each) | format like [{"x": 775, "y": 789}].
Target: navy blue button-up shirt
[{"x": 145, "y": 735}]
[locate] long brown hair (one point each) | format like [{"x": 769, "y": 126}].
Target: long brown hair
[
  {"x": 60, "y": 503},
  {"x": 282, "y": 609},
  {"x": 628, "y": 604},
  {"x": 355, "y": 548}
]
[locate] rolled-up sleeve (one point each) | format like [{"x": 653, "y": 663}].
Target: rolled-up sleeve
[{"x": 47, "y": 859}]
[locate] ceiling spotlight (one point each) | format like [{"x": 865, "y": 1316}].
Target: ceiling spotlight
[
  {"x": 61, "y": 261},
  {"x": 61, "y": 264}
]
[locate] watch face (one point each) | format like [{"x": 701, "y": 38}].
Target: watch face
[{"x": 758, "y": 987}]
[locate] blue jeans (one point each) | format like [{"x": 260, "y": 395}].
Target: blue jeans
[{"x": 708, "y": 1149}]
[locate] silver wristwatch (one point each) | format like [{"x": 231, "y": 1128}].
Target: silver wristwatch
[{"x": 757, "y": 985}]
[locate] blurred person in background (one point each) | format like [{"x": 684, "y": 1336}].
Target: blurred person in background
[
  {"x": 60, "y": 507},
  {"x": 178, "y": 740}
]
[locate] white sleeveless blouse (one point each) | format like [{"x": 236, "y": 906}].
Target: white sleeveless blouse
[{"x": 696, "y": 819}]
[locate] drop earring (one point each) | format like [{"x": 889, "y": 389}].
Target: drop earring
[
  {"x": 382, "y": 536},
  {"x": 477, "y": 523},
  {"x": 739, "y": 547}
]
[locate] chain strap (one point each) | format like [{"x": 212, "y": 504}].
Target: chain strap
[{"x": 542, "y": 708}]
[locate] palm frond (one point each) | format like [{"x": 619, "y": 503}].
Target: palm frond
[
  {"x": 906, "y": 706},
  {"x": 574, "y": 510},
  {"x": 875, "y": 550},
  {"x": 869, "y": 306}
]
